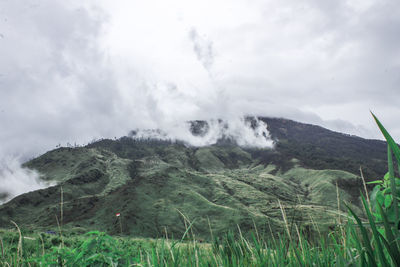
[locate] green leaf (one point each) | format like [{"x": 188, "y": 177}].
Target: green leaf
[
  {"x": 375, "y": 182},
  {"x": 378, "y": 216},
  {"x": 391, "y": 242},
  {"x": 375, "y": 233},
  {"x": 93, "y": 233},
  {"x": 392, "y": 182},
  {"x": 380, "y": 198},
  {"x": 387, "y": 191},
  {"x": 375, "y": 191},
  {"x": 366, "y": 239},
  {"x": 388, "y": 201},
  {"x": 389, "y": 139}
]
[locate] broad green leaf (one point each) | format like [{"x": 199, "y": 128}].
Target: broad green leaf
[
  {"x": 380, "y": 198},
  {"x": 387, "y": 191},
  {"x": 388, "y": 201}
]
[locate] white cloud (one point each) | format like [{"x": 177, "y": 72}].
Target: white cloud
[
  {"x": 73, "y": 71},
  {"x": 239, "y": 130},
  {"x": 16, "y": 180},
  {"x": 202, "y": 48}
]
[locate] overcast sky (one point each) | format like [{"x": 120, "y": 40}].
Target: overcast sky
[{"x": 71, "y": 71}]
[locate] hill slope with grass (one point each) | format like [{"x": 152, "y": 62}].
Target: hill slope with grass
[{"x": 160, "y": 187}]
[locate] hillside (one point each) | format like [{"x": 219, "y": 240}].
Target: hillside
[
  {"x": 320, "y": 148},
  {"x": 154, "y": 184}
]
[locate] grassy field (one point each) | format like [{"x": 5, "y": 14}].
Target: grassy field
[
  {"x": 98, "y": 249},
  {"x": 346, "y": 245}
]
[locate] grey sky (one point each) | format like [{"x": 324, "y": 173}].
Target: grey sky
[{"x": 71, "y": 71}]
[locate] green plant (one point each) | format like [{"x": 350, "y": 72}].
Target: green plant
[
  {"x": 98, "y": 249},
  {"x": 383, "y": 216},
  {"x": 385, "y": 193}
]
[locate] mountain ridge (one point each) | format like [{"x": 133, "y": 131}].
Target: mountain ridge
[{"x": 148, "y": 181}]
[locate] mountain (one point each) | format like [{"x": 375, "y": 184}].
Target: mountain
[
  {"x": 319, "y": 148},
  {"x": 158, "y": 186}
]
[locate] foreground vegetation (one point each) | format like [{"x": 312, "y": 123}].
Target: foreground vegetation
[
  {"x": 99, "y": 249},
  {"x": 370, "y": 240},
  {"x": 346, "y": 246}
]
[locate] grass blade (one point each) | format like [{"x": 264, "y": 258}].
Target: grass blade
[
  {"x": 391, "y": 240},
  {"x": 389, "y": 139},
  {"x": 366, "y": 239},
  {"x": 393, "y": 184},
  {"x": 375, "y": 233}
]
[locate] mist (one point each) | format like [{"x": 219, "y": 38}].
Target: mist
[
  {"x": 16, "y": 180},
  {"x": 244, "y": 133}
]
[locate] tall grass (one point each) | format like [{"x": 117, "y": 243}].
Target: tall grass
[
  {"x": 99, "y": 249},
  {"x": 373, "y": 240}
]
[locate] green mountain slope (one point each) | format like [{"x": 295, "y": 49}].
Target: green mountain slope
[
  {"x": 320, "y": 148},
  {"x": 158, "y": 185}
]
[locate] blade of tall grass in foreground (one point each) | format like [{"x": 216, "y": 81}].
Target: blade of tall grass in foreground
[{"x": 391, "y": 243}]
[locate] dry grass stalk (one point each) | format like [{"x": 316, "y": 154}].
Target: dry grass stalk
[
  {"x": 41, "y": 239},
  {"x": 301, "y": 242},
  {"x": 19, "y": 249},
  {"x": 285, "y": 220},
  {"x": 61, "y": 206},
  {"x": 209, "y": 225},
  {"x": 2, "y": 247},
  {"x": 343, "y": 233},
  {"x": 365, "y": 187}
]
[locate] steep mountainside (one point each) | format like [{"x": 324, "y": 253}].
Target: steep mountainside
[
  {"x": 158, "y": 185},
  {"x": 319, "y": 148},
  {"x": 316, "y": 147}
]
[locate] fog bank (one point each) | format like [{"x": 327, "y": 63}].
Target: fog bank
[{"x": 16, "y": 180}]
